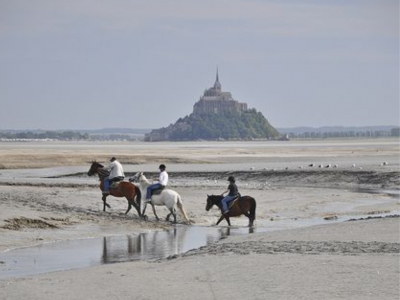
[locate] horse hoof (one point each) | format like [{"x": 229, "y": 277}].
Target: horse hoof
[{"x": 145, "y": 217}]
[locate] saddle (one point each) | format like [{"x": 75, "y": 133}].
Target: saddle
[
  {"x": 158, "y": 191},
  {"x": 115, "y": 182}
]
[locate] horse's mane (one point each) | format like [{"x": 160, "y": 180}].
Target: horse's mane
[{"x": 102, "y": 172}]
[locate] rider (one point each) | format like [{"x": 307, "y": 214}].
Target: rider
[
  {"x": 233, "y": 193},
  {"x": 116, "y": 174},
  {"x": 162, "y": 182}
]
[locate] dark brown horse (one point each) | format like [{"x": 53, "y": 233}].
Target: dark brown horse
[
  {"x": 245, "y": 205},
  {"x": 124, "y": 189}
]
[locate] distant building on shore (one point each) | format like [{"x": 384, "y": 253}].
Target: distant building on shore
[{"x": 216, "y": 101}]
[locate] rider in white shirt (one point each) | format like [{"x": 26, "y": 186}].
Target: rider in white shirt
[
  {"x": 162, "y": 182},
  {"x": 116, "y": 174}
]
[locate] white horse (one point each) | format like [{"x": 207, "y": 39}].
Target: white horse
[{"x": 167, "y": 197}]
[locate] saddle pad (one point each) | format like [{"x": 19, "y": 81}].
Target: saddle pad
[
  {"x": 230, "y": 204},
  {"x": 115, "y": 184},
  {"x": 158, "y": 191}
]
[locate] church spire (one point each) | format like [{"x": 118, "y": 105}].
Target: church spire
[{"x": 217, "y": 84}]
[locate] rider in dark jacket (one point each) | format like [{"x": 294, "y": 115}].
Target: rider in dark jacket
[{"x": 233, "y": 193}]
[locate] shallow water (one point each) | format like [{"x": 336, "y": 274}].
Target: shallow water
[
  {"x": 74, "y": 254},
  {"x": 82, "y": 253}
]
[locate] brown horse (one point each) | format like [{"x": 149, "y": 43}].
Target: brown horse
[
  {"x": 124, "y": 189},
  {"x": 245, "y": 205}
]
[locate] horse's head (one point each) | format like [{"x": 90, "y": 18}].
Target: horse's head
[
  {"x": 212, "y": 200},
  {"x": 94, "y": 168},
  {"x": 137, "y": 177},
  {"x": 142, "y": 179}
]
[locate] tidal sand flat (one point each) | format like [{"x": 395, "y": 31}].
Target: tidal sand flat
[{"x": 303, "y": 244}]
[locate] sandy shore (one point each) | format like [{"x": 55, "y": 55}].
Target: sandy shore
[{"x": 305, "y": 249}]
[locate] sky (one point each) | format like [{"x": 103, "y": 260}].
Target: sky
[{"x": 91, "y": 64}]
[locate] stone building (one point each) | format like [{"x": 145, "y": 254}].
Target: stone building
[{"x": 216, "y": 101}]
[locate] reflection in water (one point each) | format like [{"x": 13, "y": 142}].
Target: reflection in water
[
  {"x": 158, "y": 244},
  {"x": 82, "y": 253},
  {"x": 161, "y": 244},
  {"x": 89, "y": 252}
]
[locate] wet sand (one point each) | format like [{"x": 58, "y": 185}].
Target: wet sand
[{"x": 307, "y": 251}]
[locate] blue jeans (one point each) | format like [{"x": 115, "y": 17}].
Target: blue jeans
[
  {"x": 152, "y": 188},
  {"x": 108, "y": 181},
  {"x": 225, "y": 202}
]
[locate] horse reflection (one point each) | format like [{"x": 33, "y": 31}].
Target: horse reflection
[
  {"x": 119, "y": 249},
  {"x": 148, "y": 245},
  {"x": 161, "y": 244}
]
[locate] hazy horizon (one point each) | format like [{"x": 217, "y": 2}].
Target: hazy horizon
[
  {"x": 115, "y": 129},
  {"x": 92, "y": 64}
]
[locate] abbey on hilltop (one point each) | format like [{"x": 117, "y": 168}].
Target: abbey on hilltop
[
  {"x": 216, "y": 101},
  {"x": 217, "y": 116}
]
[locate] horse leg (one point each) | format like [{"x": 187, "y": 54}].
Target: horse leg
[
  {"x": 130, "y": 203},
  {"x": 251, "y": 219},
  {"x": 252, "y": 212},
  {"x": 220, "y": 219},
  {"x": 105, "y": 203},
  {"x": 137, "y": 208},
  {"x": 154, "y": 211},
  {"x": 129, "y": 207},
  {"x": 173, "y": 213},
  {"x": 136, "y": 203},
  {"x": 144, "y": 209}
]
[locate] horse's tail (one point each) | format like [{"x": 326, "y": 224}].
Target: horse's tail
[
  {"x": 253, "y": 206},
  {"x": 138, "y": 195},
  {"x": 180, "y": 206}
]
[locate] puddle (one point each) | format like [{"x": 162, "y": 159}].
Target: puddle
[{"x": 83, "y": 253}]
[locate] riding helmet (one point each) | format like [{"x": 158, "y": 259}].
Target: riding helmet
[
  {"x": 231, "y": 179},
  {"x": 113, "y": 158},
  {"x": 162, "y": 167}
]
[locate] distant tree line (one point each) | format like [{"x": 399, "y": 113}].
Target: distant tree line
[
  {"x": 394, "y": 132},
  {"x": 116, "y": 137},
  {"x": 47, "y": 135},
  {"x": 68, "y": 136}
]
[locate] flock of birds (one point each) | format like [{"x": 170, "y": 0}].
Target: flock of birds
[
  {"x": 321, "y": 166},
  {"x": 267, "y": 184}
]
